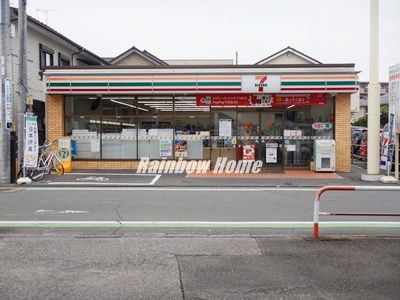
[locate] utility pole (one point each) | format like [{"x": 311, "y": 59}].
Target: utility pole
[
  {"x": 6, "y": 92},
  {"x": 373, "y": 96},
  {"x": 22, "y": 77}
]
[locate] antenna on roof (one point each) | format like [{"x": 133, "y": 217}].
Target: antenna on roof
[
  {"x": 46, "y": 12},
  {"x": 237, "y": 57}
]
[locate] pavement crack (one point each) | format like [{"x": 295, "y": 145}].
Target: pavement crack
[
  {"x": 180, "y": 277},
  {"x": 119, "y": 218}
]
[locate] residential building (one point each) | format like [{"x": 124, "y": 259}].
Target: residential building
[{"x": 45, "y": 47}]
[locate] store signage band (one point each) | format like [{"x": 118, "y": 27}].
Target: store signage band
[{"x": 261, "y": 100}]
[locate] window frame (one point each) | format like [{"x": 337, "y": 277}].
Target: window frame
[
  {"x": 62, "y": 57},
  {"x": 43, "y": 50}
]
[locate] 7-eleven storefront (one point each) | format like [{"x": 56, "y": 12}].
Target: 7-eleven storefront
[{"x": 117, "y": 115}]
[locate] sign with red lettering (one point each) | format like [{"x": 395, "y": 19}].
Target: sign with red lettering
[{"x": 261, "y": 100}]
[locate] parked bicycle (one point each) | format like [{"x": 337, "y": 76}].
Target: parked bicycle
[{"x": 48, "y": 161}]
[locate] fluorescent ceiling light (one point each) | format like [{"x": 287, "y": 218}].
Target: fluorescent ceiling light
[{"x": 126, "y": 104}]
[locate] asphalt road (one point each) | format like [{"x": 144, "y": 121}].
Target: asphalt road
[
  {"x": 186, "y": 204},
  {"x": 189, "y": 262}
]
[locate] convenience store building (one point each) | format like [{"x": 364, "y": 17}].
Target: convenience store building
[{"x": 117, "y": 114}]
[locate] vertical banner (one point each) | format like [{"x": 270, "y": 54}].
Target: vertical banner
[
  {"x": 394, "y": 95},
  {"x": 64, "y": 153},
  {"x": 8, "y": 96},
  {"x": 31, "y": 144},
  {"x": 386, "y": 145}
]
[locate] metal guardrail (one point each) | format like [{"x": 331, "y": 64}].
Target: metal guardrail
[{"x": 324, "y": 189}]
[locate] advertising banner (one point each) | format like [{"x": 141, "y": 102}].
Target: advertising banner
[
  {"x": 64, "y": 153},
  {"x": 181, "y": 148},
  {"x": 31, "y": 142},
  {"x": 271, "y": 153},
  {"x": 261, "y": 100},
  {"x": 165, "y": 148},
  {"x": 249, "y": 152}
]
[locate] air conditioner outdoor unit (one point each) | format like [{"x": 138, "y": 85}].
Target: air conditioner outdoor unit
[{"x": 324, "y": 155}]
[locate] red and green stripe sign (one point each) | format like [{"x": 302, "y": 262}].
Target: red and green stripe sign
[{"x": 194, "y": 84}]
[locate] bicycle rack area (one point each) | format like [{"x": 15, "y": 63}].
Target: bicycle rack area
[{"x": 324, "y": 189}]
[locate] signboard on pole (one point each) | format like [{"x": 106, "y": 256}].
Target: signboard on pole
[
  {"x": 394, "y": 95},
  {"x": 31, "y": 142},
  {"x": 8, "y": 96}
]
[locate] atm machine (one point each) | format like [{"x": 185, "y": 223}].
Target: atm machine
[{"x": 324, "y": 155}]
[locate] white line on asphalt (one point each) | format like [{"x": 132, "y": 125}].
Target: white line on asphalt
[
  {"x": 166, "y": 189},
  {"x": 196, "y": 224},
  {"x": 111, "y": 174},
  {"x": 60, "y": 212}
]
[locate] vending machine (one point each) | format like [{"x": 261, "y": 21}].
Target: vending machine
[{"x": 324, "y": 155}]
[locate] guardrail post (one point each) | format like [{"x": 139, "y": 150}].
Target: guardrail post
[
  {"x": 316, "y": 216},
  {"x": 347, "y": 188}
]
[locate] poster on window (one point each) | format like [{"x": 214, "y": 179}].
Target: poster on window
[
  {"x": 165, "y": 148},
  {"x": 271, "y": 153},
  {"x": 249, "y": 152},
  {"x": 225, "y": 127},
  {"x": 31, "y": 145},
  {"x": 181, "y": 148}
]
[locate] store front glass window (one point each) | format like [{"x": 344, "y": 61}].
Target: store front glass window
[
  {"x": 82, "y": 123},
  {"x": 155, "y": 127},
  {"x": 192, "y": 133},
  {"x": 118, "y": 123}
]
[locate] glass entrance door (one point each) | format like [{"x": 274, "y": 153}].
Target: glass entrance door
[{"x": 271, "y": 139}]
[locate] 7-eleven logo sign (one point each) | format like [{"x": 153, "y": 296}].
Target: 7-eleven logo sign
[{"x": 261, "y": 83}]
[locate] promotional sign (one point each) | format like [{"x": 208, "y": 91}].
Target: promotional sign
[
  {"x": 181, "y": 148},
  {"x": 321, "y": 126},
  {"x": 394, "y": 95},
  {"x": 299, "y": 99},
  {"x": 64, "y": 153},
  {"x": 249, "y": 152},
  {"x": 225, "y": 127},
  {"x": 261, "y": 100},
  {"x": 165, "y": 148},
  {"x": 271, "y": 153},
  {"x": 261, "y": 83},
  {"x": 8, "y": 94},
  {"x": 31, "y": 142}
]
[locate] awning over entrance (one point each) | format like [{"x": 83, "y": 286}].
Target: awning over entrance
[{"x": 332, "y": 78}]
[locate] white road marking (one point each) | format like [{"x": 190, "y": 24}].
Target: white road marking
[
  {"x": 112, "y": 174},
  {"x": 195, "y": 224},
  {"x": 166, "y": 189},
  {"x": 60, "y": 212}
]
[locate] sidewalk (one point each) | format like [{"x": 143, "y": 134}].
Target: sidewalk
[{"x": 129, "y": 178}]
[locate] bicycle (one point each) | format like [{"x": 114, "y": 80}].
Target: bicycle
[{"x": 48, "y": 161}]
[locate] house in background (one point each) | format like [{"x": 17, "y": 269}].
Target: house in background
[
  {"x": 361, "y": 110},
  {"x": 45, "y": 47}
]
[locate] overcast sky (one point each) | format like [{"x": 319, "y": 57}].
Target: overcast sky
[{"x": 332, "y": 31}]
